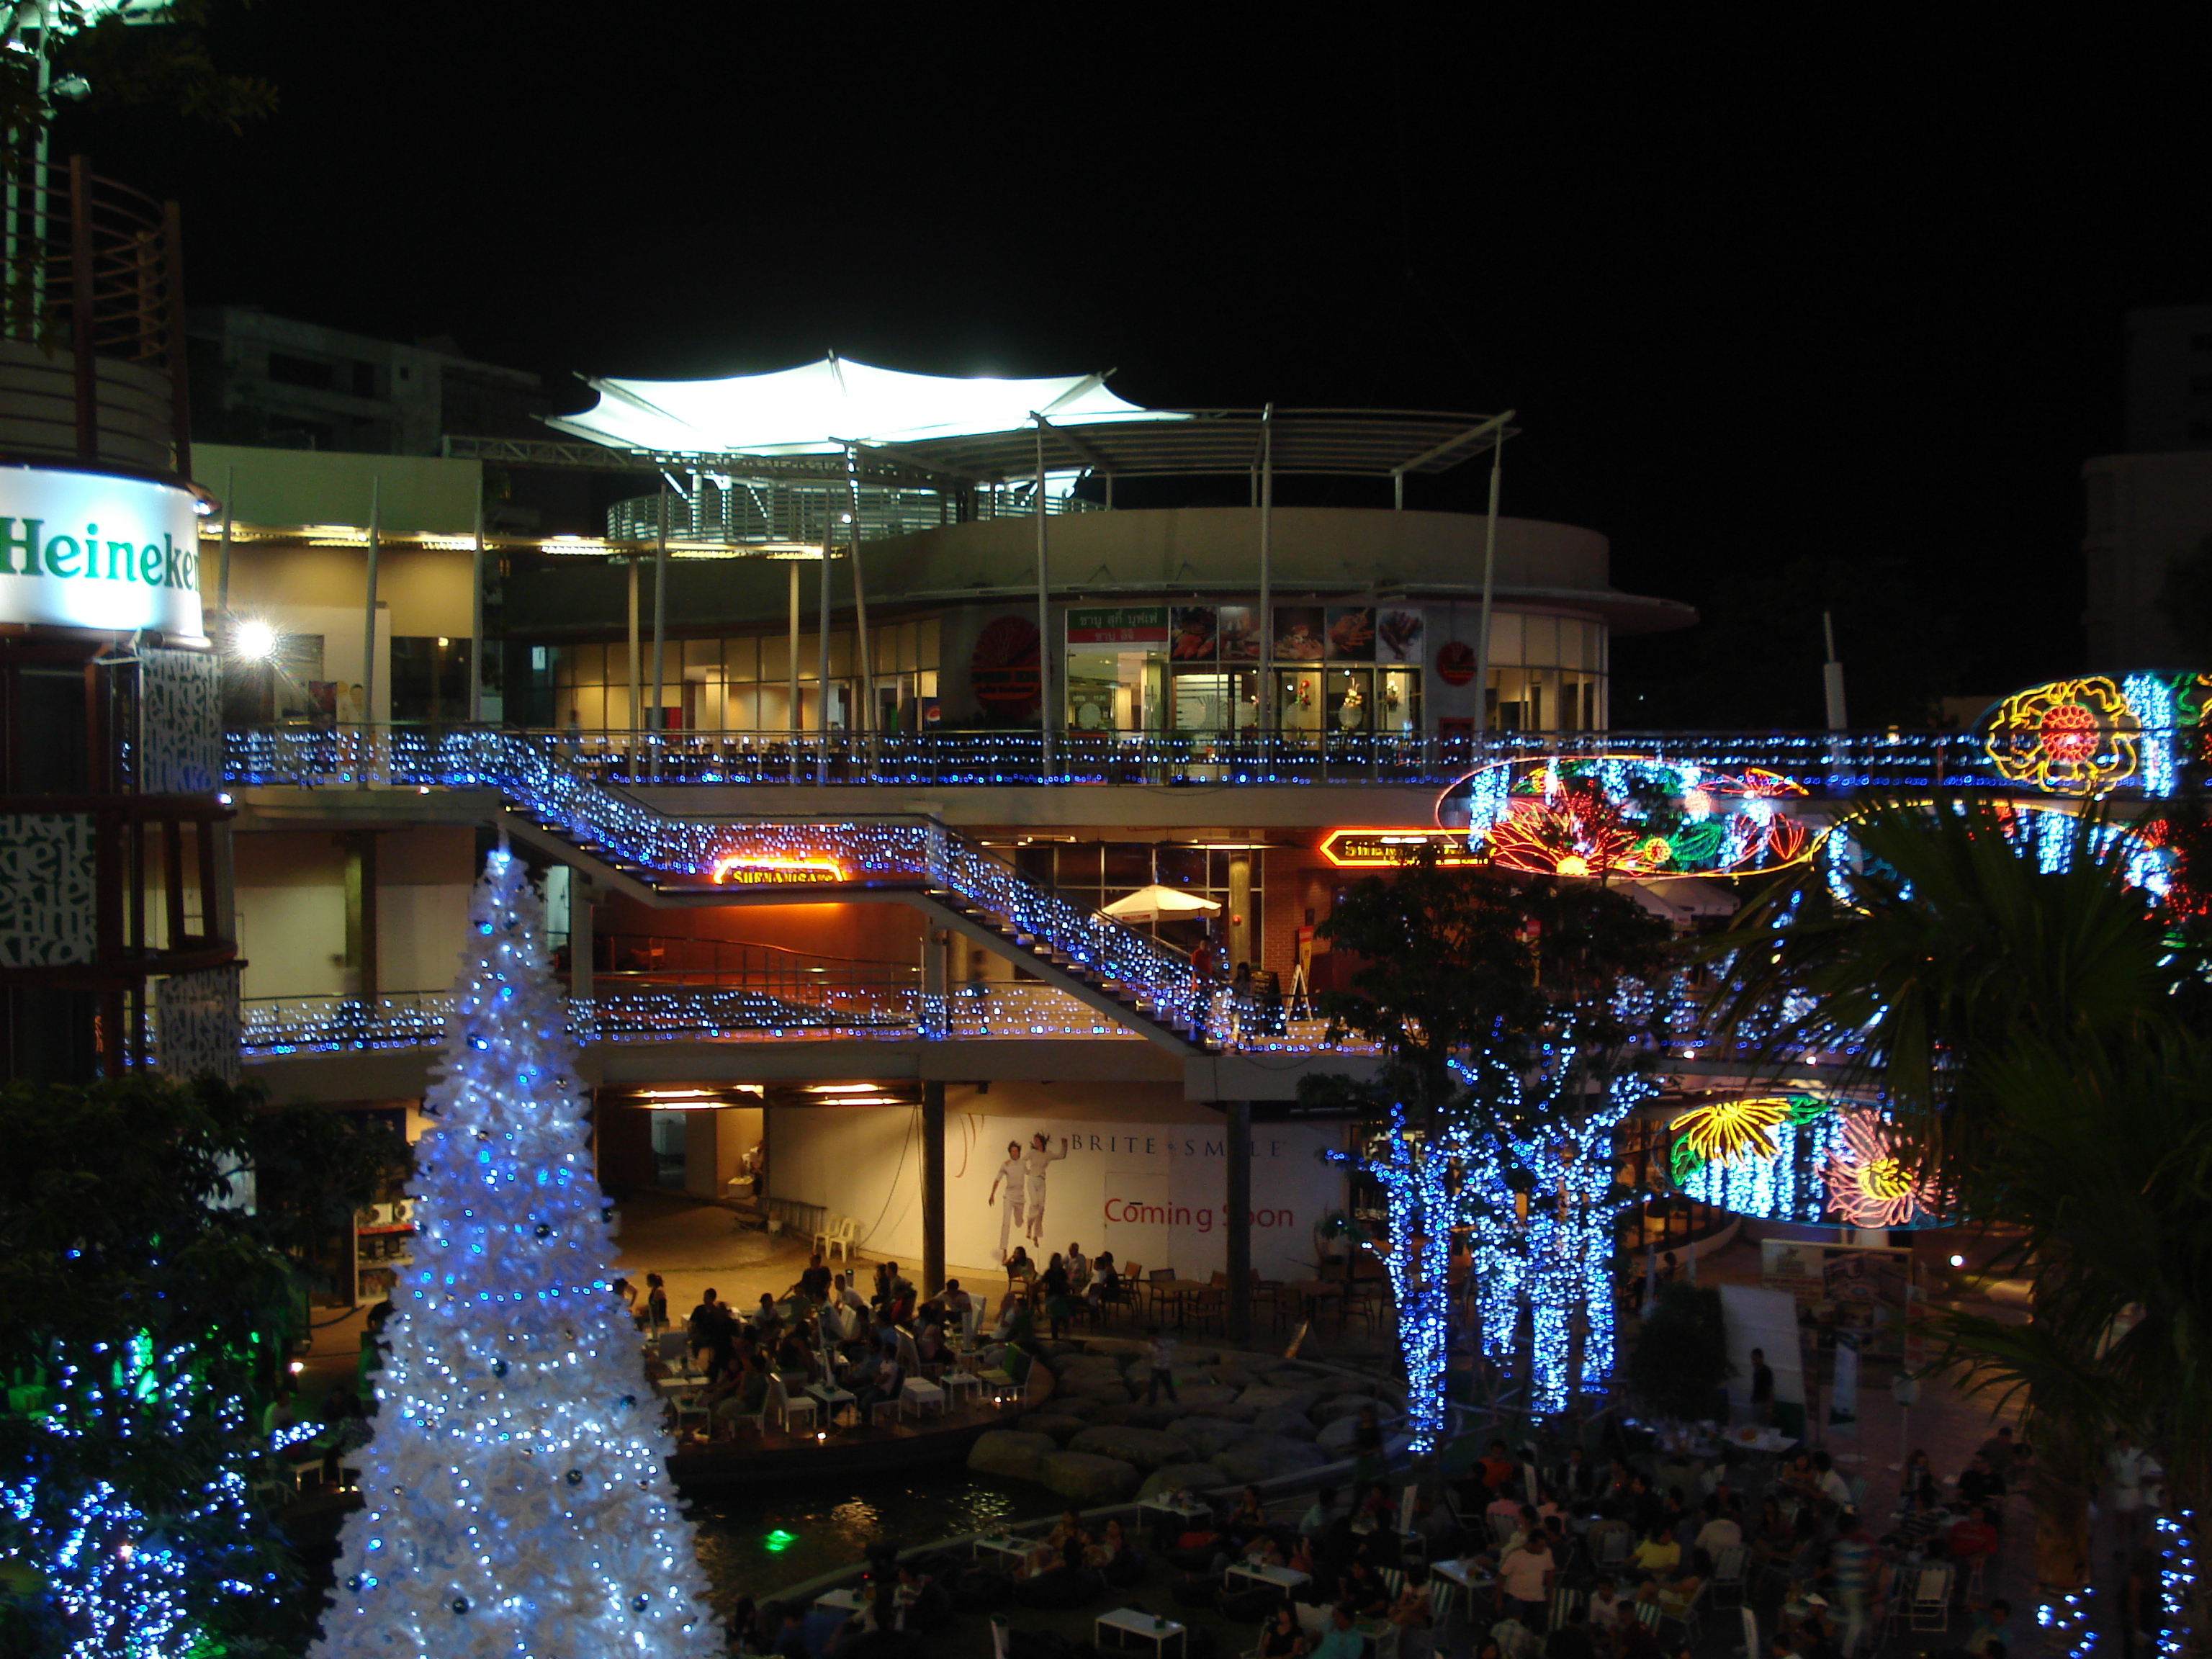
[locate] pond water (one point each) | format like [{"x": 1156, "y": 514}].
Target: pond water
[{"x": 794, "y": 1530}]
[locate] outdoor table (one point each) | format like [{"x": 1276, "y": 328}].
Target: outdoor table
[
  {"x": 1182, "y": 1291},
  {"x": 1180, "y": 1509},
  {"x": 1459, "y": 1577},
  {"x": 840, "y": 1600},
  {"x": 1283, "y": 1578},
  {"x": 1003, "y": 1544},
  {"x": 1311, "y": 1292},
  {"x": 1133, "y": 1622}
]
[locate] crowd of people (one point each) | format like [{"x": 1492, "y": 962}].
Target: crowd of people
[{"x": 863, "y": 1337}]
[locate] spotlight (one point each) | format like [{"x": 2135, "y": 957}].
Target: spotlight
[
  {"x": 298, "y": 1365},
  {"x": 1958, "y": 1261},
  {"x": 253, "y": 640}
]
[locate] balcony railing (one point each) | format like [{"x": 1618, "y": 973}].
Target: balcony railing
[{"x": 424, "y": 755}]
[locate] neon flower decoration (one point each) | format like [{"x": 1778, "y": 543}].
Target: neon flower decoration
[
  {"x": 2070, "y": 737},
  {"x": 1634, "y": 815},
  {"x": 1761, "y": 1157},
  {"x": 2049, "y": 835},
  {"x": 1870, "y": 1184},
  {"x": 1728, "y": 1131}
]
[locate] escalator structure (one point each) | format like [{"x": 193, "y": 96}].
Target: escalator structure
[{"x": 671, "y": 861}]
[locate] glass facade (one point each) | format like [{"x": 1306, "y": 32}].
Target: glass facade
[
  {"x": 1547, "y": 673},
  {"x": 743, "y": 683}
]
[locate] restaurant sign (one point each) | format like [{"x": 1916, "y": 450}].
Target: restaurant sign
[{"x": 1120, "y": 624}]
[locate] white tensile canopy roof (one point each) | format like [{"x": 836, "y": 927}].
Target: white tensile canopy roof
[{"x": 818, "y": 408}]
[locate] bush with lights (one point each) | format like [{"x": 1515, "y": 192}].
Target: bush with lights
[
  {"x": 516, "y": 1500},
  {"x": 141, "y": 1312}
]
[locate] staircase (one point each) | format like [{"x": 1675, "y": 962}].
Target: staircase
[{"x": 915, "y": 859}]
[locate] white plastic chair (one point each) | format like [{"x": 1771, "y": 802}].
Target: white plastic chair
[
  {"x": 921, "y": 1394},
  {"x": 786, "y": 1408},
  {"x": 825, "y": 1235},
  {"x": 1931, "y": 1599}
]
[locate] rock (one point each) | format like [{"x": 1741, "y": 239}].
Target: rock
[
  {"x": 1113, "y": 1412},
  {"x": 1343, "y": 1406},
  {"x": 1338, "y": 1387},
  {"x": 1209, "y": 1435},
  {"x": 1084, "y": 1479},
  {"x": 1230, "y": 1377},
  {"x": 1154, "y": 1417},
  {"x": 1281, "y": 1419},
  {"x": 1181, "y": 1477},
  {"x": 1058, "y": 1428},
  {"x": 1300, "y": 1377},
  {"x": 1336, "y": 1438},
  {"x": 1010, "y": 1453},
  {"x": 1265, "y": 1396},
  {"x": 1143, "y": 1448},
  {"x": 1266, "y": 1456},
  {"x": 1244, "y": 1360},
  {"x": 1200, "y": 1395},
  {"x": 1234, "y": 1412}
]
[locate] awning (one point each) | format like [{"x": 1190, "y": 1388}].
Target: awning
[{"x": 1157, "y": 903}]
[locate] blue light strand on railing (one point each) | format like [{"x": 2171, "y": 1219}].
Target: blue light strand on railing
[{"x": 2176, "y": 1580}]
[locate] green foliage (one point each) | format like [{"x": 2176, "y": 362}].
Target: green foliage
[
  {"x": 121, "y": 1260},
  {"x": 165, "y": 65},
  {"x": 1680, "y": 1359},
  {"x": 1953, "y": 946},
  {"x": 1455, "y": 960}
]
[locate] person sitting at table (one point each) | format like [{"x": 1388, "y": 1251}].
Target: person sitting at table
[
  {"x": 1301, "y": 1558},
  {"x": 1605, "y": 1603},
  {"x": 930, "y": 1342},
  {"x": 1720, "y": 1531},
  {"x": 1341, "y": 1640},
  {"x": 740, "y": 1391},
  {"x": 1262, "y": 1550},
  {"x": 1505, "y": 1506},
  {"x": 1019, "y": 1268},
  {"x": 1250, "y": 1515},
  {"x": 1917, "y": 1528},
  {"x": 1657, "y": 1553},
  {"x": 883, "y": 1383},
  {"x": 1973, "y": 1538},
  {"x": 1318, "y": 1518},
  {"x": 957, "y": 1305},
  {"x": 1069, "y": 1528},
  {"x": 1799, "y": 1476},
  {"x": 1078, "y": 1267},
  {"x": 1281, "y": 1636},
  {"x": 1828, "y": 1483},
  {"x": 1110, "y": 1546},
  {"x": 765, "y": 1317},
  {"x": 1631, "y": 1637},
  {"x": 1358, "y": 1587},
  {"x": 1105, "y": 1287},
  {"x": 1413, "y": 1613},
  {"x": 1571, "y": 1639},
  {"x": 1978, "y": 1482},
  {"x": 1577, "y": 1482}
]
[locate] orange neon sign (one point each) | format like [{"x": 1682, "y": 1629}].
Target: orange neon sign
[
  {"x": 778, "y": 870},
  {"x": 1388, "y": 848}
]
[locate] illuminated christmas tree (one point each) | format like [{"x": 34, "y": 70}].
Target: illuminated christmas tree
[{"x": 516, "y": 1497}]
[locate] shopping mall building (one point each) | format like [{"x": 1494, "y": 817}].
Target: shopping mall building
[{"x": 885, "y": 771}]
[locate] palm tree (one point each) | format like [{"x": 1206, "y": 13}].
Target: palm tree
[{"x": 2010, "y": 997}]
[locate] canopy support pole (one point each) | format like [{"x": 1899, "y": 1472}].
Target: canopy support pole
[
  {"x": 1489, "y": 582},
  {"x": 1266, "y": 503},
  {"x": 475, "y": 615},
  {"x": 368, "y": 618},
  {"x": 1044, "y": 614},
  {"x": 659, "y": 636},
  {"x": 791, "y": 716},
  {"x": 864, "y": 657},
  {"x": 821, "y": 658}
]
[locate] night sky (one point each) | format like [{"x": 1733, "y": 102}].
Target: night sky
[{"x": 1795, "y": 317}]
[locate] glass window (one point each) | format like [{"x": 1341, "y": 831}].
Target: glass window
[
  {"x": 591, "y": 664},
  {"x": 1128, "y": 864},
  {"x": 1350, "y": 693},
  {"x": 704, "y": 654},
  {"x": 1401, "y": 690},
  {"x": 775, "y": 656},
  {"x": 1540, "y": 641},
  {"x": 925, "y": 644},
  {"x": 1504, "y": 635}
]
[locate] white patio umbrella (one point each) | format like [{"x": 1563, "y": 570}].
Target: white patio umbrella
[{"x": 1158, "y": 903}]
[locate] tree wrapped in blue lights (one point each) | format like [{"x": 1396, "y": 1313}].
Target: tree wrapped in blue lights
[
  {"x": 1508, "y": 1065},
  {"x": 516, "y": 1498}
]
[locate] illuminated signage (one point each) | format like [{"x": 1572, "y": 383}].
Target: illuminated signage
[
  {"x": 768, "y": 869},
  {"x": 82, "y": 550},
  {"x": 1383, "y": 849},
  {"x": 1126, "y": 625}
]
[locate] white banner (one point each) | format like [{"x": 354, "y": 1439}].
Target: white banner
[{"x": 86, "y": 549}]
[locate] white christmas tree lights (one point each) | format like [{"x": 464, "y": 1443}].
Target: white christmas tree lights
[{"x": 516, "y": 1498}]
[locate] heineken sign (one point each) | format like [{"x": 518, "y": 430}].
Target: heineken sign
[{"x": 86, "y": 549}]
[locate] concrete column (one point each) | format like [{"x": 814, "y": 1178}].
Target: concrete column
[
  {"x": 581, "y": 916},
  {"x": 1237, "y": 1234},
  {"x": 361, "y": 942},
  {"x": 1243, "y": 944},
  {"x": 932, "y": 1189}
]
